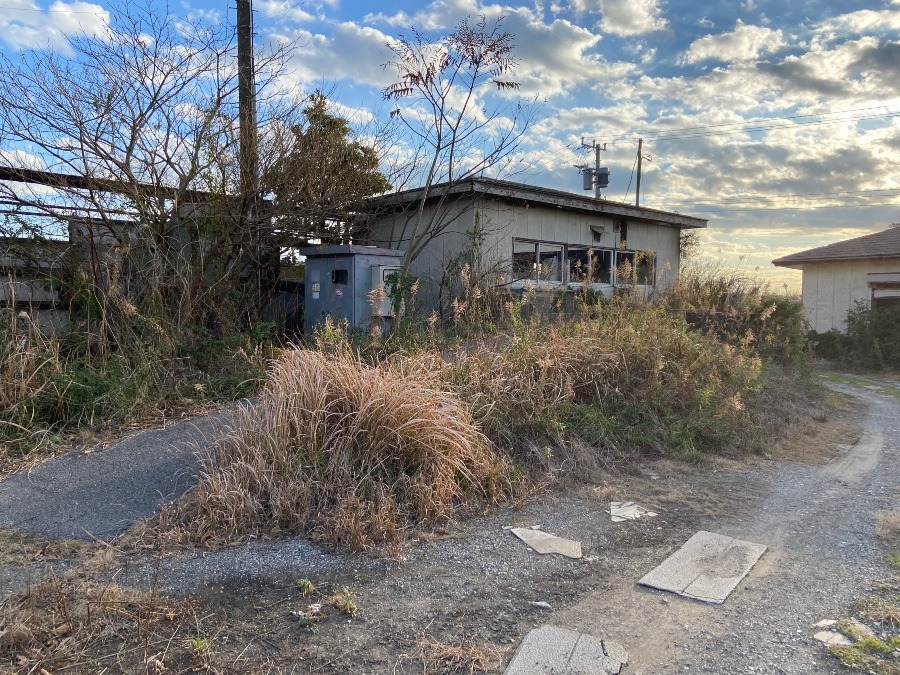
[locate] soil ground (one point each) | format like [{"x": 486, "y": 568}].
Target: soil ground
[{"x": 466, "y": 590}]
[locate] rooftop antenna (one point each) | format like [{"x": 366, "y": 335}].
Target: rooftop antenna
[{"x": 595, "y": 178}]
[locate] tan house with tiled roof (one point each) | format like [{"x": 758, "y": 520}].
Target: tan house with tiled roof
[{"x": 835, "y": 277}]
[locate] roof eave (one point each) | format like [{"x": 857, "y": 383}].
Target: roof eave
[{"x": 546, "y": 197}]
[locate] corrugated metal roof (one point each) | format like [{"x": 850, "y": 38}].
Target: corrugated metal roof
[{"x": 884, "y": 244}]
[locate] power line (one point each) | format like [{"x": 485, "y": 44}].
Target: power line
[
  {"x": 772, "y": 119},
  {"x": 875, "y": 192}
]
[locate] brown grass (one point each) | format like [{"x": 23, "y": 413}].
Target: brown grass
[
  {"x": 463, "y": 657},
  {"x": 76, "y": 620},
  {"x": 347, "y": 453},
  {"x": 887, "y": 525}
]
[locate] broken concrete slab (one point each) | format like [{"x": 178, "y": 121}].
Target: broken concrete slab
[
  {"x": 543, "y": 543},
  {"x": 550, "y": 650},
  {"x": 831, "y": 638},
  {"x": 708, "y": 567},
  {"x": 622, "y": 511}
]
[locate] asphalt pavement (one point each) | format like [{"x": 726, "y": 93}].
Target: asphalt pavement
[{"x": 98, "y": 494}]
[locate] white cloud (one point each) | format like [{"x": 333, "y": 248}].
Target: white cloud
[
  {"x": 744, "y": 43},
  {"x": 627, "y": 18},
  {"x": 24, "y": 25},
  {"x": 281, "y": 10},
  {"x": 862, "y": 22}
]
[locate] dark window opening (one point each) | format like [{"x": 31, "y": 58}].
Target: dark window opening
[
  {"x": 524, "y": 259},
  {"x": 340, "y": 277}
]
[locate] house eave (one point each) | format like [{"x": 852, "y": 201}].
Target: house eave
[
  {"x": 793, "y": 263},
  {"x": 517, "y": 193}
]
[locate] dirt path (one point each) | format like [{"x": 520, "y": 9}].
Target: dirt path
[
  {"x": 474, "y": 580},
  {"x": 818, "y": 525}
]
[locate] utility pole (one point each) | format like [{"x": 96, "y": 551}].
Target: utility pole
[
  {"x": 248, "y": 155},
  {"x": 640, "y": 157},
  {"x": 598, "y": 177}
]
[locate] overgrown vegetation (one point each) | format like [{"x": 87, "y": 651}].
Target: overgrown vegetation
[
  {"x": 353, "y": 447},
  {"x": 872, "y": 340},
  {"x": 343, "y": 451},
  {"x": 876, "y": 641},
  {"x": 51, "y": 385}
]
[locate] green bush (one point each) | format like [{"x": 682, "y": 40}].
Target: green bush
[{"x": 874, "y": 336}]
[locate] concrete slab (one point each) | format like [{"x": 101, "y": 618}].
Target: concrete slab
[
  {"x": 542, "y": 542},
  {"x": 831, "y": 638},
  {"x": 550, "y": 650},
  {"x": 708, "y": 567},
  {"x": 622, "y": 511}
]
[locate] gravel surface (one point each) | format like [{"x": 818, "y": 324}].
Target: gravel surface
[{"x": 474, "y": 579}]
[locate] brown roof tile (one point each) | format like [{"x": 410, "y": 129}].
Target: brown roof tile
[{"x": 884, "y": 244}]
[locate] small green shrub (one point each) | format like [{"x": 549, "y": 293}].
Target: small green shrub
[{"x": 874, "y": 335}]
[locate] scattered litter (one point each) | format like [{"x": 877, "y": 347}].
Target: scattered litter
[
  {"x": 708, "y": 567},
  {"x": 550, "y": 649},
  {"x": 540, "y": 604},
  {"x": 315, "y": 608},
  {"x": 547, "y": 543},
  {"x": 622, "y": 511},
  {"x": 507, "y": 527},
  {"x": 831, "y": 638},
  {"x": 535, "y": 527}
]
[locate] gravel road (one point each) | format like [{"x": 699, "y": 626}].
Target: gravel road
[
  {"x": 473, "y": 579},
  {"x": 819, "y": 527}
]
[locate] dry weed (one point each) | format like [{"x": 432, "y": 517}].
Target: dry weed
[
  {"x": 348, "y": 453},
  {"x": 463, "y": 657},
  {"x": 74, "y": 619},
  {"x": 887, "y": 524}
]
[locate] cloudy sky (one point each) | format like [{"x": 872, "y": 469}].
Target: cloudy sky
[{"x": 778, "y": 120}]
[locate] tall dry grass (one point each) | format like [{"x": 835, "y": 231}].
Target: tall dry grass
[
  {"x": 29, "y": 360},
  {"x": 342, "y": 451},
  {"x": 633, "y": 378}
]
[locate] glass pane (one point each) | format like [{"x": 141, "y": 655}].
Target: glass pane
[
  {"x": 524, "y": 259},
  {"x": 625, "y": 267},
  {"x": 550, "y": 257},
  {"x": 579, "y": 265},
  {"x": 646, "y": 266},
  {"x": 603, "y": 265}
]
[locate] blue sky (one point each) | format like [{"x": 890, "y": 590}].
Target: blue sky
[{"x": 777, "y": 120}]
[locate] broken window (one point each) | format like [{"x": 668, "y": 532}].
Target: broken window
[
  {"x": 591, "y": 265},
  {"x": 635, "y": 268},
  {"x": 537, "y": 260}
]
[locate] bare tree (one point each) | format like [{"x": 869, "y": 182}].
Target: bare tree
[
  {"x": 135, "y": 140},
  {"x": 458, "y": 131}
]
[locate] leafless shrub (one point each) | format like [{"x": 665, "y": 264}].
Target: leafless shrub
[{"x": 887, "y": 524}]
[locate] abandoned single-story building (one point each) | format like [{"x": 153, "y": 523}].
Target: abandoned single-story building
[
  {"x": 837, "y": 276},
  {"x": 521, "y": 236}
]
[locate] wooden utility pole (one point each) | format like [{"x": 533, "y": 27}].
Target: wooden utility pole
[
  {"x": 249, "y": 157},
  {"x": 637, "y": 190},
  {"x": 640, "y": 159}
]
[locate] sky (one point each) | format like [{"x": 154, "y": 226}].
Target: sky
[{"x": 777, "y": 120}]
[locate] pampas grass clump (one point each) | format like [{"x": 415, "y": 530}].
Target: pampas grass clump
[{"x": 344, "y": 452}]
